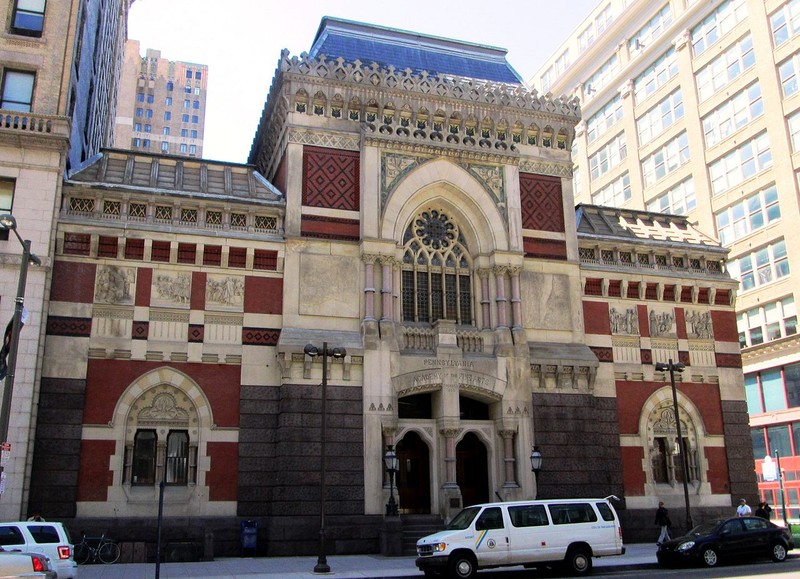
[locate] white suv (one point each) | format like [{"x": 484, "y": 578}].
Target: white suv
[{"x": 51, "y": 539}]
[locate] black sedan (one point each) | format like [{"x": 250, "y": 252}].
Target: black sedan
[{"x": 725, "y": 540}]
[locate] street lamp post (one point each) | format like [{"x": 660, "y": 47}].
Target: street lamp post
[
  {"x": 311, "y": 350},
  {"x": 9, "y": 223},
  {"x": 672, "y": 368},
  {"x": 536, "y": 466},
  {"x": 392, "y": 466}
]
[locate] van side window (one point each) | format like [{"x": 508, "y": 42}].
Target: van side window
[
  {"x": 44, "y": 533},
  {"x": 605, "y": 511},
  {"x": 10, "y": 536},
  {"x": 528, "y": 516},
  {"x": 569, "y": 513},
  {"x": 491, "y": 518}
]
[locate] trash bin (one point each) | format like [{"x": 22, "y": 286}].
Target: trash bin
[{"x": 249, "y": 532}]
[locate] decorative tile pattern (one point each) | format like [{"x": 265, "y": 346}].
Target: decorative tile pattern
[
  {"x": 331, "y": 179},
  {"x": 542, "y": 202},
  {"x": 603, "y": 354},
  {"x": 260, "y": 336},
  {"x": 196, "y": 333},
  {"x": 68, "y": 326},
  {"x": 140, "y": 330}
]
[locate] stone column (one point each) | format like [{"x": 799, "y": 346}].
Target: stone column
[
  {"x": 161, "y": 459},
  {"x": 128, "y": 464},
  {"x": 486, "y": 317},
  {"x": 369, "y": 286},
  {"x": 516, "y": 301},
  {"x": 502, "y": 302},
  {"x": 450, "y": 457},
  {"x": 508, "y": 457},
  {"x": 387, "y": 264}
]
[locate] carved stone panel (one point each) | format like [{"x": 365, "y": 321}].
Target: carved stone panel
[
  {"x": 225, "y": 292},
  {"x": 698, "y": 325},
  {"x": 625, "y": 322},
  {"x": 114, "y": 285},
  {"x": 171, "y": 289},
  {"x": 662, "y": 323}
]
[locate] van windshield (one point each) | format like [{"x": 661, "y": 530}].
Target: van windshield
[{"x": 463, "y": 519}]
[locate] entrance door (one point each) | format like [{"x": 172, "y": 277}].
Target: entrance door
[
  {"x": 472, "y": 470},
  {"x": 414, "y": 476}
]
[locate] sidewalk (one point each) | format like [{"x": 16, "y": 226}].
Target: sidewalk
[{"x": 637, "y": 556}]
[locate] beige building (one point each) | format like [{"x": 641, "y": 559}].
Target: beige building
[
  {"x": 692, "y": 108},
  {"x": 55, "y": 106},
  {"x": 162, "y": 104}
]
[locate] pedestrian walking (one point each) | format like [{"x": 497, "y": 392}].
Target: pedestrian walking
[
  {"x": 662, "y": 520},
  {"x": 744, "y": 509},
  {"x": 764, "y": 510}
]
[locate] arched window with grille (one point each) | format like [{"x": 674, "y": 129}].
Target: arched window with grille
[{"x": 437, "y": 270}]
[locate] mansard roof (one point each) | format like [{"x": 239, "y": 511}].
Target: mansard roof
[
  {"x": 632, "y": 226},
  {"x": 180, "y": 176},
  {"x": 402, "y": 49}
]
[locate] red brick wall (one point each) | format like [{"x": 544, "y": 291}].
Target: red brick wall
[
  {"x": 542, "y": 202},
  {"x": 73, "y": 282},
  {"x": 198, "y": 300},
  {"x": 631, "y": 397},
  {"x": 144, "y": 281},
  {"x": 680, "y": 323},
  {"x": 106, "y": 380},
  {"x": 95, "y": 476},
  {"x": 222, "y": 478},
  {"x": 545, "y": 248},
  {"x": 596, "y": 318},
  {"x": 633, "y": 476},
  {"x": 331, "y": 178},
  {"x": 329, "y": 228},
  {"x": 263, "y": 295},
  {"x": 717, "y": 469},
  {"x": 724, "y": 324},
  {"x": 644, "y": 321}
]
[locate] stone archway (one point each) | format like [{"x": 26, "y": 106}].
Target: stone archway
[
  {"x": 472, "y": 470},
  {"x": 414, "y": 477}
]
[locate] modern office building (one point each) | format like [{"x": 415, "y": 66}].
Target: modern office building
[
  {"x": 693, "y": 108},
  {"x": 407, "y": 211},
  {"x": 59, "y": 63},
  {"x": 162, "y": 104}
]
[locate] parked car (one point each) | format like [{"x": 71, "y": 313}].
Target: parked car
[
  {"x": 567, "y": 532},
  {"x": 727, "y": 540},
  {"x": 50, "y": 539},
  {"x": 16, "y": 564}
]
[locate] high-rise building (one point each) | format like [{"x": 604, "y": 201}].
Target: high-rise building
[
  {"x": 692, "y": 108},
  {"x": 162, "y": 104},
  {"x": 59, "y": 63}
]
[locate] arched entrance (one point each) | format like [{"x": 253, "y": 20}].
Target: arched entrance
[
  {"x": 472, "y": 470},
  {"x": 414, "y": 476}
]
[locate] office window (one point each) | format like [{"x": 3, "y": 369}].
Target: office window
[
  {"x": 656, "y": 75},
  {"x": 168, "y": 101},
  {"x": 608, "y": 157},
  {"x": 165, "y": 131},
  {"x": 187, "y": 89},
  {"x": 146, "y": 143},
  {"x": 28, "y": 17},
  {"x": 761, "y": 267},
  {"x": 193, "y": 133},
  {"x": 165, "y": 146},
  {"x": 137, "y": 127},
  {"x": 679, "y": 200},
  {"x": 197, "y": 75},
  {"x": 139, "y": 112},
  {"x": 149, "y": 113},
  {"x": 586, "y": 38},
  {"x": 725, "y": 68},
  {"x": 778, "y": 437},
  {"x": 740, "y": 164},
  {"x": 6, "y": 195},
  {"x": 652, "y": 30},
  {"x": 754, "y": 406},
  {"x": 604, "y": 119},
  {"x": 188, "y": 73},
  {"x": 183, "y": 148},
  {"x": 137, "y": 142},
  {"x": 167, "y": 116},
  {"x": 658, "y": 119},
  {"x": 150, "y": 98},
  {"x": 195, "y": 104},
  {"x": 717, "y": 24},
  {"x": 195, "y": 119},
  {"x": 602, "y": 76},
  {"x": 603, "y": 20},
  {"x": 791, "y": 377},
  {"x": 186, "y": 103},
  {"x": 148, "y": 128},
  {"x": 785, "y": 22},
  {"x": 192, "y": 149},
  {"x": 748, "y": 215},
  {"x": 139, "y": 97},
  {"x": 767, "y": 322},
  {"x": 615, "y": 194},
  {"x": 788, "y": 74},
  {"x": 184, "y": 132},
  {"x": 170, "y": 87},
  {"x": 733, "y": 114},
  {"x": 17, "y": 90},
  {"x": 185, "y": 118},
  {"x": 665, "y": 160}
]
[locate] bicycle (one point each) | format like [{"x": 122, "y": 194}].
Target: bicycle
[{"x": 97, "y": 549}]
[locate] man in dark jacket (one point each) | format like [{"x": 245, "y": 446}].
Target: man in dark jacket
[{"x": 662, "y": 520}]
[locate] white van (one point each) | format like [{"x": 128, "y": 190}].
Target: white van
[
  {"x": 529, "y": 533},
  {"x": 50, "y": 539}
]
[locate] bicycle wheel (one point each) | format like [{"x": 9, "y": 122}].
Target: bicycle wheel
[
  {"x": 82, "y": 553},
  {"x": 108, "y": 552}
]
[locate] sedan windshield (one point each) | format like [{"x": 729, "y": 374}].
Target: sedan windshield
[
  {"x": 463, "y": 519},
  {"x": 705, "y": 528}
]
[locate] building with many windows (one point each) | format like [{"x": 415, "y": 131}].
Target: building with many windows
[
  {"x": 162, "y": 104},
  {"x": 59, "y": 63},
  {"x": 692, "y": 108},
  {"x": 406, "y": 199}
]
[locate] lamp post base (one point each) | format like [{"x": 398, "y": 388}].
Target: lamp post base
[{"x": 322, "y": 566}]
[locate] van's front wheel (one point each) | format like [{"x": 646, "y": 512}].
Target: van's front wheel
[
  {"x": 578, "y": 561},
  {"x": 462, "y": 565}
]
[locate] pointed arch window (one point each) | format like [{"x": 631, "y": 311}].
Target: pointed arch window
[{"x": 436, "y": 271}]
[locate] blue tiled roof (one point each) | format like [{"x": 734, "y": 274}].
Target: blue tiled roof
[{"x": 388, "y": 46}]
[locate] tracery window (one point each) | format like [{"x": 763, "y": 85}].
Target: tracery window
[{"x": 436, "y": 270}]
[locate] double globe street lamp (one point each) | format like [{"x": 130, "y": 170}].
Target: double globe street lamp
[
  {"x": 312, "y": 351},
  {"x": 392, "y": 464}
]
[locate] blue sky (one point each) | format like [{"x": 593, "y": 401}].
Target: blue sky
[{"x": 241, "y": 43}]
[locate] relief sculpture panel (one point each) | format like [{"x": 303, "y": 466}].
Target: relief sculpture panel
[
  {"x": 225, "y": 292},
  {"x": 171, "y": 289},
  {"x": 114, "y": 285}
]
